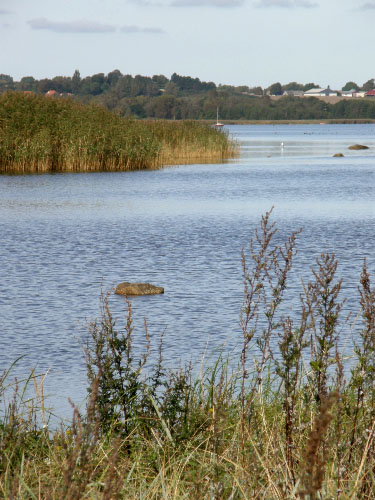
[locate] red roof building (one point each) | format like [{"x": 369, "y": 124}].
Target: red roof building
[
  {"x": 371, "y": 93},
  {"x": 51, "y": 93}
]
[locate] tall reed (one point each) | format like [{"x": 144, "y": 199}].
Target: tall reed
[{"x": 41, "y": 134}]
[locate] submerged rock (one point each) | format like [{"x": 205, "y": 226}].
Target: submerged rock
[
  {"x": 138, "y": 289},
  {"x": 338, "y": 155},
  {"x": 358, "y": 146}
]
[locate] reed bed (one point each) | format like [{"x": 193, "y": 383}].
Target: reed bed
[
  {"x": 40, "y": 134},
  {"x": 288, "y": 420}
]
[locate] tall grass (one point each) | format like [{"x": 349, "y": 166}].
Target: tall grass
[
  {"x": 41, "y": 134},
  {"x": 284, "y": 422}
]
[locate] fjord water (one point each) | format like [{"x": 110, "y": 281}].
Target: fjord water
[{"x": 64, "y": 236}]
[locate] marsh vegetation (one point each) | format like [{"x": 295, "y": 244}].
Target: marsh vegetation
[{"x": 40, "y": 134}]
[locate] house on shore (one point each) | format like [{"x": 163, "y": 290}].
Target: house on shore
[
  {"x": 370, "y": 93},
  {"x": 328, "y": 92},
  {"x": 349, "y": 93},
  {"x": 294, "y": 93}
]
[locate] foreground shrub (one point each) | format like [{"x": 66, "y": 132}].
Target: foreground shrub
[{"x": 287, "y": 421}]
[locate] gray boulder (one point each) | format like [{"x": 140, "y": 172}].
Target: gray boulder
[{"x": 138, "y": 289}]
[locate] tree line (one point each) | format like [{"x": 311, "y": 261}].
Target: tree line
[{"x": 184, "y": 97}]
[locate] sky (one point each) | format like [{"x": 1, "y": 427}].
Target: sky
[{"x": 236, "y": 42}]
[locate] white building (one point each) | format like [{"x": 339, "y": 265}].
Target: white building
[{"x": 328, "y": 92}]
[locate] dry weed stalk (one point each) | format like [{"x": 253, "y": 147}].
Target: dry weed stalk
[
  {"x": 314, "y": 460},
  {"x": 264, "y": 287}
]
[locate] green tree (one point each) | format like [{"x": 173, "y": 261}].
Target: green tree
[
  {"x": 62, "y": 84},
  {"x": 164, "y": 107},
  {"x": 189, "y": 85},
  {"x": 256, "y": 90},
  {"x": 275, "y": 89},
  {"x": 6, "y": 83},
  {"x": 293, "y": 86},
  {"x": 171, "y": 89},
  {"x": 76, "y": 82},
  {"x": 160, "y": 80},
  {"x": 309, "y": 86},
  {"x": 113, "y": 77},
  {"x": 369, "y": 85},
  {"x": 350, "y": 86},
  {"x": 27, "y": 83},
  {"x": 45, "y": 85}
]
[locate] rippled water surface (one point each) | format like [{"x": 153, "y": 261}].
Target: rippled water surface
[{"x": 183, "y": 228}]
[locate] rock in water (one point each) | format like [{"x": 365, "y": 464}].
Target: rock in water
[
  {"x": 138, "y": 289},
  {"x": 358, "y": 146},
  {"x": 338, "y": 155}
]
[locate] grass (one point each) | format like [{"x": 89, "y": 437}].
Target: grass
[
  {"x": 284, "y": 422},
  {"x": 40, "y": 134}
]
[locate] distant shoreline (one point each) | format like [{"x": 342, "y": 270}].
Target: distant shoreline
[{"x": 338, "y": 121}]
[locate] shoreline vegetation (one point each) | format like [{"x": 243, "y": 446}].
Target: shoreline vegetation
[
  {"x": 39, "y": 134},
  {"x": 298, "y": 423},
  {"x": 186, "y": 98}
]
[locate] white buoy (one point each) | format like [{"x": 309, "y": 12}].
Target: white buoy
[{"x": 282, "y": 145}]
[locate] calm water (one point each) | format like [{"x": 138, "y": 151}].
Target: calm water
[{"x": 183, "y": 228}]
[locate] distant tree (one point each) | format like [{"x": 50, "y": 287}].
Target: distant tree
[
  {"x": 62, "y": 84},
  {"x": 256, "y": 91},
  {"x": 189, "y": 85},
  {"x": 27, "y": 83},
  {"x": 113, "y": 77},
  {"x": 350, "y": 86},
  {"x": 160, "y": 80},
  {"x": 143, "y": 85},
  {"x": 164, "y": 107},
  {"x": 275, "y": 89},
  {"x": 6, "y": 83},
  {"x": 242, "y": 89},
  {"x": 293, "y": 86},
  {"x": 309, "y": 86},
  {"x": 85, "y": 87},
  {"x": 369, "y": 85},
  {"x": 98, "y": 84},
  {"x": 45, "y": 85},
  {"x": 171, "y": 89},
  {"x": 123, "y": 87},
  {"x": 93, "y": 85},
  {"x": 76, "y": 82}
]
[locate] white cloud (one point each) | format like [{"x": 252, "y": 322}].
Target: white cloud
[
  {"x": 146, "y": 3},
  {"x": 286, "y": 4},
  {"x": 139, "y": 29},
  {"x": 82, "y": 26},
  {"x": 207, "y": 3},
  {"x": 4, "y": 12}
]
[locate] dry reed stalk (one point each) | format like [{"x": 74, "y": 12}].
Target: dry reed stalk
[
  {"x": 369, "y": 442},
  {"x": 40, "y": 395},
  {"x": 313, "y": 463}
]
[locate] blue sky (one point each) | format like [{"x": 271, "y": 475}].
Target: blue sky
[{"x": 240, "y": 42}]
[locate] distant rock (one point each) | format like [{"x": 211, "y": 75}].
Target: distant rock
[
  {"x": 138, "y": 289},
  {"x": 358, "y": 146},
  {"x": 338, "y": 155}
]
